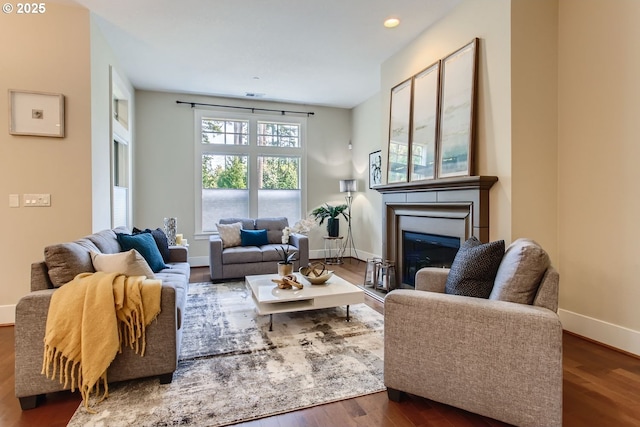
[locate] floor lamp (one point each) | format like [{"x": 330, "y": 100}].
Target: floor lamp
[{"x": 347, "y": 186}]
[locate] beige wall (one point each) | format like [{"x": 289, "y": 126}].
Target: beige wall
[
  {"x": 164, "y": 170},
  {"x": 44, "y": 53},
  {"x": 598, "y": 203},
  {"x": 490, "y": 21},
  {"x": 367, "y": 203}
]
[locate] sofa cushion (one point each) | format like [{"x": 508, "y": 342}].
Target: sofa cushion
[
  {"x": 253, "y": 237},
  {"x": 474, "y": 268},
  {"x": 274, "y": 227},
  {"x": 161, "y": 241},
  {"x": 241, "y": 255},
  {"x": 520, "y": 273},
  {"x": 144, "y": 244},
  {"x": 269, "y": 252},
  {"x": 105, "y": 241},
  {"x": 129, "y": 263},
  {"x": 230, "y": 234},
  {"x": 66, "y": 260},
  {"x": 247, "y": 223}
]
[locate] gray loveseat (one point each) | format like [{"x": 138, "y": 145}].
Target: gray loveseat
[
  {"x": 240, "y": 261},
  {"x": 62, "y": 263}
]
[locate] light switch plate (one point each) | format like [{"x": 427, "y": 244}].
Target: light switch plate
[
  {"x": 14, "y": 200},
  {"x": 37, "y": 200}
]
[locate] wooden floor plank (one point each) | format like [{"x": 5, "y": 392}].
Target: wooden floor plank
[{"x": 600, "y": 387}]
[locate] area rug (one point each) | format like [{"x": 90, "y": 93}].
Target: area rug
[{"x": 232, "y": 369}]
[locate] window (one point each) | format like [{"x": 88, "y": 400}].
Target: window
[{"x": 249, "y": 166}]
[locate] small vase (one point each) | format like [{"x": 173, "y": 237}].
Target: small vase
[
  {"x": 170, "y": 229},
  {"x": 285, "y": 269}
]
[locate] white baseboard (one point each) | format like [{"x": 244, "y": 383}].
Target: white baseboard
[
  {"x": 199, "y": 261},
  {"x": 7, "y": 314},
  {"x": 607, "y": 333}
]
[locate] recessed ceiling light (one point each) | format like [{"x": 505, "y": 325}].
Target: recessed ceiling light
[{"x": 391, "y": 22}]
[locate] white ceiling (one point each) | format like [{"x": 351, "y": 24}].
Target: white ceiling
[{"x": 325, "y": 52}]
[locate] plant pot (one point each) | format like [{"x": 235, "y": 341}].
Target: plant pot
[
  {"x": 333, "y": 227},
  {"x": 285, "y": 269}
]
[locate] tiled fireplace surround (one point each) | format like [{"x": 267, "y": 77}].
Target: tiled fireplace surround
[{"x": 457, "y": 207}]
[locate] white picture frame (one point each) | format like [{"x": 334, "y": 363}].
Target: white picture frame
[{"x": 36, "y": 113}]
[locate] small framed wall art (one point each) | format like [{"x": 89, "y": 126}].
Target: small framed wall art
[
  {"x": 375, "y": 168},
  {"x": 36, "y": 113}
]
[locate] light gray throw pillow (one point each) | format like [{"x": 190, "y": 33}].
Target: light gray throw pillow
[{"x": 520, "y": 272}]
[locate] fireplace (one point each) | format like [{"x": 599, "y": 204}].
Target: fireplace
[
  {"x": 451, "y": 209},
  {"x": 425, "y": 250}
]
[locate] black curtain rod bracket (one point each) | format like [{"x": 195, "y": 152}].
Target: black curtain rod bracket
[{"x": 252, "y": 109}]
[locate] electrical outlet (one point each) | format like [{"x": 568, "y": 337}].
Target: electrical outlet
[{"x": 34, "y": 200}]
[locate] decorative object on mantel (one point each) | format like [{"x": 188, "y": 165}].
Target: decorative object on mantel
[
  {"x": 431, "y": 120},
  {"x": 375, "y": 168},
  {"x": 36, "y": 113},
  {"x": 285, "y": 267},
  {"x": 331, "y": 214},
  {"x": 170, "y": 229}
]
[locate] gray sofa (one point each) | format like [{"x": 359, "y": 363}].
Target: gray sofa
[
  {"x": 62, "y": 263},
  {"x": 241, "y": 261},
  {"x": 493, "y": 357}
]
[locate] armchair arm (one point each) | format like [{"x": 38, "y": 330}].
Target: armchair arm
[
  {"x": 301, "y": 242},
  {"x": 431, "y": 279},
  {"x": 495, "y": 358},
  {"x": 215, "y": 257}
]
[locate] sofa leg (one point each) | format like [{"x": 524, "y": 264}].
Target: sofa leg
[
  {"x": 30, "y": 402},
  {"x": 166, "y": 378},
  {"x": 395, "y": 395}
]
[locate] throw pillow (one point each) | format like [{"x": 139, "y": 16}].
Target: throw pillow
[
  {"x": 147, "y": 247},
  {"x": 474, "y": 268},
  {"x": 129, "y": 263},
  {"x": 520, "y": 272},
  {"x": 66, "y": 260},
  {"x": 254, "y": 237},
  {"x": 230, "y": 234},
  {"x": 161, "y": 241}
]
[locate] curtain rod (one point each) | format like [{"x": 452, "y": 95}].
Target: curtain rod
[{"x": 252, "y": 109}]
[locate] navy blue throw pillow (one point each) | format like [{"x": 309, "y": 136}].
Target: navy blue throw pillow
[
  {"x": 161, "y": 241},
  {"x": 146, "y": 245},
  {"x": 474, "y": 268},
  {"x": 253, "y": 237}
]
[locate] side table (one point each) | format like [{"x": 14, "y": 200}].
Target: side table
[{"x": 333, "y": 250}]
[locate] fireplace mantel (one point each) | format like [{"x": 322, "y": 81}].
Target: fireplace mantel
[{"x": 456, "y": 207}]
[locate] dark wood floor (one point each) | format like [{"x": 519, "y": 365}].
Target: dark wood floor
[{"x": 601, "y": 388}]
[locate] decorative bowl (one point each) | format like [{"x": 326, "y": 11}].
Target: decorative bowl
[{"x": 307, "y": 273}]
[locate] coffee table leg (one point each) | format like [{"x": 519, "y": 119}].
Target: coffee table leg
[
  {"x": 348, "y": 319},
  {"x": 270, "y": 322}
]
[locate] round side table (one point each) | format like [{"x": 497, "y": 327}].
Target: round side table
[{"x": 333, "y": 250}]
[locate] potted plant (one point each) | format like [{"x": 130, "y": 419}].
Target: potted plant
[
  {"x": 330, "y": 213},
  {"x": 285, "y": 266}
]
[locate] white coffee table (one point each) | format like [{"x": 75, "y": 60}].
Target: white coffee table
[{"x": 269, "y": 299}]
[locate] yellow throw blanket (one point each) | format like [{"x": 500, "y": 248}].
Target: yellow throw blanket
[{"x": 89, "y": 320}]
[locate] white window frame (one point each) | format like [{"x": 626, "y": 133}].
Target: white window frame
[{"x": 252, "y": 150}]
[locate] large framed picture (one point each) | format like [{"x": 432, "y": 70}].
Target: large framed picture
[
  {"x": 424, "y": 123},
  {"x": 399, "y": 132},
  {"x": 36, "y": 113},
  {"x": 456, "y": 131},
  {"x": 375, "y": 168}
]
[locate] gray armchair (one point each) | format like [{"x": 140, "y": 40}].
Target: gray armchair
[{"x": 496, "y": 358}]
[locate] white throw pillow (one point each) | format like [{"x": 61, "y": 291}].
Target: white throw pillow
[
  {"x": 129, "y": 263},
  {"x": 230, "y": 234}
]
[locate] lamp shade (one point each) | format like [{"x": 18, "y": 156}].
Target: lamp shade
[{"x": 348, "y": 185}]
